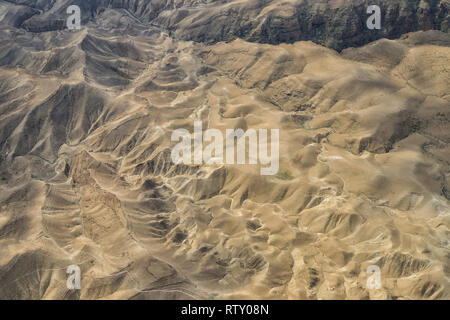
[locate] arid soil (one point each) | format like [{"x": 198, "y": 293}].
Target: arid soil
[{"x": 86, "y": 176}]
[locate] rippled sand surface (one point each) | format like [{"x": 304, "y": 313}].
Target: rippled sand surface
[{"x": 86, "y": 176}]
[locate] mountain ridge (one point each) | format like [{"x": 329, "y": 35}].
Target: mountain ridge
[{"x": 337, "y": 24}]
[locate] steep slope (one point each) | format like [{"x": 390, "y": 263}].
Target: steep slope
[{"x": 337, "y": 24}]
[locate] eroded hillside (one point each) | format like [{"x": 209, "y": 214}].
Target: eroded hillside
[{"x": 86, "y": 176}]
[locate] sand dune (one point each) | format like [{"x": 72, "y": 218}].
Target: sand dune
[{"x": 86, "y": 176}]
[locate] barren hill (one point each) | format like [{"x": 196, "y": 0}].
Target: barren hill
[{"x": 86, "y": 176}]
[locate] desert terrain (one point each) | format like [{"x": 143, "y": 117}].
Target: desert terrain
[{"x": 86, "y": 176}]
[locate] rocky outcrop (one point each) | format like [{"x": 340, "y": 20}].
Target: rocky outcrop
[{"x": 335, "y": 24}]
